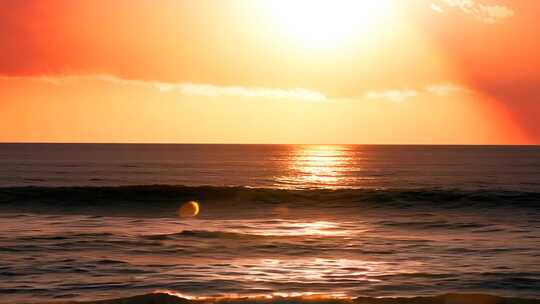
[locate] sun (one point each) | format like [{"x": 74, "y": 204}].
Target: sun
[{"x": 327, "y": 23}]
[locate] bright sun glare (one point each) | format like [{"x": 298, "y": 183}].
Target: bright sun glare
[{"x": 327, "y": 23}]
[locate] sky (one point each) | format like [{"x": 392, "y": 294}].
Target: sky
[{"x": 270, "y": 71}]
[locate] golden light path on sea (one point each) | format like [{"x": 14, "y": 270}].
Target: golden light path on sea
[
  {"x": 316, "y": 166},
  {"x": 313, "y": 270},
  {"x": 303, "y": 295}
]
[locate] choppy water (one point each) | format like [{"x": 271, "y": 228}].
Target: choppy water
[{"x": 419, "y": 221}]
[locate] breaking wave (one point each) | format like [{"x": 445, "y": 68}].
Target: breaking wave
[
  {"x": 155, "y": 196},
  {"x": 454, "y": 298}
]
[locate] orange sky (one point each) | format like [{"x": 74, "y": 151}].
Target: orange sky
[{"x": 268, "y": 71}]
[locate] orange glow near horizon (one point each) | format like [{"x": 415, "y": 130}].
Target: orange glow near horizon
[{"x": 293, "y": 72}]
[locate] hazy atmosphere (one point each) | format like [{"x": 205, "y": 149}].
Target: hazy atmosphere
[
  {"x": 269, "y": 151},
  {"x": 242, "y": 71}
]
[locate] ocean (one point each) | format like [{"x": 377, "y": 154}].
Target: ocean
[{"x": 86, "y": 222}]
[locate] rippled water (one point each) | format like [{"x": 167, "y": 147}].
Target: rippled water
[
  {"x": 273, "y": 166},
  {"x": 458, "y": 220},
  {"x": 263, "y": 243}
]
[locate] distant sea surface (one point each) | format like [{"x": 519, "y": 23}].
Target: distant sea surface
[
  {"x": 98, "y": 221},
  {"x": 272, "y": 166}
]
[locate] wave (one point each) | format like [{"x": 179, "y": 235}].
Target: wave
[
  {"x": 205, "y": 234},
  {"x": 454, "y": 298},
  {"x": 162, "y": 195}
]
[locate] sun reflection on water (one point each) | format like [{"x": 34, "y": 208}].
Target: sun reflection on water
[
  {"x": 319, "y": 271},
  {"x": 316, "y": 166},
  {"x": 300, "y": 295},
  {"x": 298, "y": 228}
]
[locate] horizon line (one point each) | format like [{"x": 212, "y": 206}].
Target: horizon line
[{"x": 264, "y": 144}]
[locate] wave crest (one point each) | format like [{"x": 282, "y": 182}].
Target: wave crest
[
  {"x": 162, "y": 195},
  {"x": 454, "y": 298}
]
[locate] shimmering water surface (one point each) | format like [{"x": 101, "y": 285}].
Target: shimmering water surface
[
  {"x": 337, "y": 220},
  {"x": 273, "y": 166}
]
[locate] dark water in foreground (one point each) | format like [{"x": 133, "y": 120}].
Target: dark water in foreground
[{"x": 375, "y": 221}]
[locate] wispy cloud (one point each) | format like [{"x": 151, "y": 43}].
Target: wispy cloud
[
  {"x": 397, "y": 95},
  {"x": 392, "y": 95},
  {"x": 444, "y": 89},
  {"x": 436, "y": 8},
  {"x": 487, "y": 13},
  {"x": 185, "y": 88},
  {"x": 494, "y": 13},
  {"x": 209, "y": 90}
]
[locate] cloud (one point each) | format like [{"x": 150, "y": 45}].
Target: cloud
[
  {"x": 209, "y": 90},
  {"x": 437, "y": 8},
  {"x": 185, "y": 88},
  {"x": 493, "y": 13},
  {"x": 444, "y": 89},
  {"x": 396, "y": 95},
  {"x": 487, "y": 13},
  {"x": 392, "y": 95}
]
